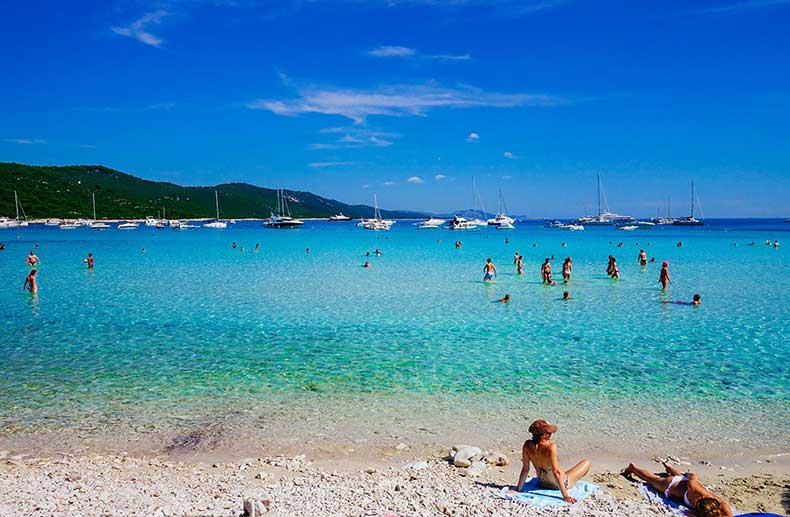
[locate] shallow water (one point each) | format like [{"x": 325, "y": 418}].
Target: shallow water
[{"x": 193, "y": 327}]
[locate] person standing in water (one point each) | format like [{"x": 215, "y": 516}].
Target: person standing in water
[
  {"x": 32, "y": 259},
  {"x": 30, "y": 282},
  {"x": 642, "y": 258},
  {"x": 545, "y": 271},
  {"x": 615, "y": 271},
  {"x": 515, "y": 258},
  {"x": 89, "y": 261},
  {"x": 609, "y": 265},
  {"x": 567, "y": 269},
  {"x": 489, "y": 271},
  {"x": 520, "y": 265},
  {"x": 664, "y": 278}
]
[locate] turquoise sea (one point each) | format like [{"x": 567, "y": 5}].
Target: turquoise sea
[{"x": 192, "y": 326}]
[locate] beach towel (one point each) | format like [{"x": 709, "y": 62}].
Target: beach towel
[
  {"x": 532, "y": 494},
  {"x": 680, "y": 509}
]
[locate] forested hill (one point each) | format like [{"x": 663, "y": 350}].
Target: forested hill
[{"x": 65, "y": 192}]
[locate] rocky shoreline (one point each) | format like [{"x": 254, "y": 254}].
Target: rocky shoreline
[{"x": 458, "y": 483}]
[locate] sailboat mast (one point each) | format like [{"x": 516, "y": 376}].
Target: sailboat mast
[
  {"x": 599, "y": 195},
  {"x": 669, "y": 208},
  {"x": 692, "y": 199},
  {"x": 93, "y": 197},
  {"x": 16, "y": 205},
  {"x": 216, "y": 203}
]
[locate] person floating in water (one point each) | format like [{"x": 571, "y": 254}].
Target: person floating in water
[
  {"x": 489, "y": 271},
  {"x": 567, "y": 269},
  {"x": 680, "y": 244},
  {"x": 541, "y": 452},
  {"x": 307, "y": 250},
  {"x": 89, "y": 260},
  {"x": 776, "y": 244},
  {"x": 233, "y": 245},
  {"x": 566, "y": 296},
  {"x": 642, "y": 258},
  {"x": 663, "y": 277},
  {"x": 256, "y": 248},
  {"x": 520, "y": 265},
  {"x": 696, "y": 301},
  {"x": 683, "y": 488},
  {"x": 505, "y": 299},
  {"x": 32, "y": 259},
  {"x": 545, "y": 271},
  {"x": 366, "y": 264},
  {"x": 377, "y": 252},
  {"x": 30, "y": 282}
]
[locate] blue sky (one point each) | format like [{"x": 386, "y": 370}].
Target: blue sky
[{"x": 413, "y": 98}]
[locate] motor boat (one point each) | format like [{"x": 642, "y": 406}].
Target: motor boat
[
  {"x": 430, "y": 224},
  {"x": 505, "y": 226},
  {"x": 552, "y": 224},
  {"x": 150, "y": 221},
  {"x": 629, "y": 227},
  {"x": 572, "y": 227},
  {"x": 645, "y": 225},
  {"x": 339, "y": 217},
  {"x": 182, "y": 225},
  {"x": 461, "y": 223},
  {"x": 53, "y": 222},
  {"x": 70, "y": 226},
  {"x": 99, "y": 225},
  {"x": 128, "y": 226}
]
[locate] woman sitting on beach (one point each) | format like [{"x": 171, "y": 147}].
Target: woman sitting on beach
[
  {"x": 683, "y": 488},
  {"x": 542, "y": 453}
]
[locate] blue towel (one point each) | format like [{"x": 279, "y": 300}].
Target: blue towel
[{"x": 534, "y": 495}]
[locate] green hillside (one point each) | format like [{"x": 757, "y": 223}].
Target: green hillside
[{"x": 65, "y": 192}]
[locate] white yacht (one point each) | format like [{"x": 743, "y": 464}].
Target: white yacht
[
  {"x": 53, "y": 222},
  {"x": 70, "y": 226},
  {"x": 430, "y": 224},
  {"x": 461, "y": 223},
  {"x": 572, "y": 227},
  {"x": 282, "y": 219},
  {"x": 339, "y": 217},
  {"x": 183, "y": 225},
  {"x": 629, "y": 227},
  {"x": 128, "y": 226},
  {"x": 505, "y": 226},
  {"x": 216, "y": 224},
  {"x": 604, "y": 217},
  {"x": 150, "y": 221}
]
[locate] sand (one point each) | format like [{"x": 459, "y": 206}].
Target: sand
[{"x": 371, "y": 481}]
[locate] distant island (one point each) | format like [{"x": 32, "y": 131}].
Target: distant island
[{"x": 65, "y": 192}]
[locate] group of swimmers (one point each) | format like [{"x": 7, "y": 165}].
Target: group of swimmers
[{"x": 541, "y": 453}]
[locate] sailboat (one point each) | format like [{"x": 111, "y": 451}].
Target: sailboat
[
  {"x": 690, "y": 220},
  {"x": 477, "y": 221},
  {"x": 665, "y": 220},
  {"x": 17, "y": 222},
  {"x": 216, "y": 224},
  {"x": 282, "y": 219},
  {"x": 377, "y": 223},
  {"x": 501, "y": 219},
  {"x": 97, "y": 225},
  {"x": 604, "y": 217}
]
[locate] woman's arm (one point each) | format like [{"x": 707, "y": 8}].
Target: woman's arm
[
  {"x": 559, "y": 475},
  {"x": 522, "y": 477}
]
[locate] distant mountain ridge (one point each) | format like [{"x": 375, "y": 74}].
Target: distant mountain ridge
[{"x": 65, "y": 192}]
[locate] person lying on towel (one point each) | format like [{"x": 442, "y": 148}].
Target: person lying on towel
[{"x": 683, "y": 488}]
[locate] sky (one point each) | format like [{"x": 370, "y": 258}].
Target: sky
[{"x": 412, "y": 99}]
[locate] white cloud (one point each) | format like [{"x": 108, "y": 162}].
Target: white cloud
[
  {"x": 355, "y": 137},
  {"x": 415, "y": 179},
  {"x": 139, "y": 28},
  {"x": 388, "y": 183},
  {"x": 473, "y": 137},
  {"x": 320, "y": 165},
  {"x": 509, "y": 155},
  {"x": 392, "y": 51},
  {"x": 387, "y": 51},
  {"x": 397, "y": 101},
  {"x": 440, "y": 177},
  {"x": 24, "y": 141}
]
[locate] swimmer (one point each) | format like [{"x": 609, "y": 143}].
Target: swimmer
[
  {"x": 515, "y": 258},
  {"x": 520, "y": 265},
  {"x": 609, "y": 265},
  {"x": 506, "y": 299},
  {"x": 664, "y": 278},
  {"x": 620, "y": 245},
  {"x": 256, "y": 248},
  {"x": 534, "y": 244},
  {"x": 642, "y": 258},
  {"x": 366, "y": 264},
  {"x": 680, "y": 244},
  {"x": 507, "y": 241},
  {"x": 696, "y": 301},
  {"x": 545, "y": 271},
  {"x": 776, "y": 244},
  {"x": 142, "y": 251},
  {"x": 567, "y": 269},
  {"x": 566, "y": 296},
  {"x": 377, "y": 252},
  {"x": 564, "y": 244},
  {"x": 367, "y": 253},
  {"x": 233, "y": 245},
  {"x": 241, "y": 249},
  {"x": 489, "y": 271},
  {"x": 32, "y": 259},
  {"x": 30, "y": 282},
  {"x": 652, "y": 260},
  {"x": 307, "y": 250},
  {"x": 752, "y": 243},
  {"x": 89, "y": 260},
  {"x": 684, "y": 488}
]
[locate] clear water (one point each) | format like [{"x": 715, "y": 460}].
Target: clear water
[{"x": 193, "y": 325}]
